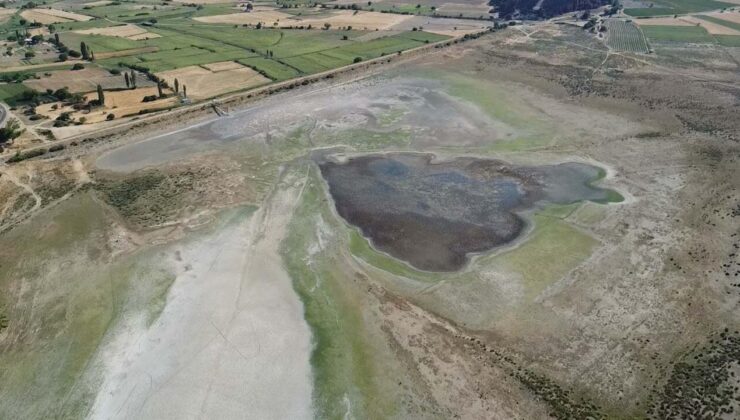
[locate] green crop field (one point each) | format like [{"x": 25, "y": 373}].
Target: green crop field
[
  {"x": 98, "y": 43},
  {"x": 10, "y": 93},
  {"x": 689, "y": 34},
  {"x": 728, "y": 40},
  {"x": 291, "y": 52},
  {"x": 625, "y": 36},
  {"x": 671, "y": 7}
]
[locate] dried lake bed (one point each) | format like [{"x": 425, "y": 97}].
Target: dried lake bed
[{"x": 445, "y": 239}]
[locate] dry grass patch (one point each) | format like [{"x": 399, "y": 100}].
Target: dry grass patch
[
  {"x": 77, "y": 81},
  {"x": 5, "y": 14},
  {"x": 39, "y": 31},
  {"x": 464, "y": 9},
  {"x": 128, "y": 31},
  {"x": 124, "y": 53},
  {"x": 203, "y": 83},
  {"x": 337, "y": 19},
  {"x": 442, "y": 26}
]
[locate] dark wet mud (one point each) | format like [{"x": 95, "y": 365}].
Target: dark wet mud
[{"x": 433, "y": 215}]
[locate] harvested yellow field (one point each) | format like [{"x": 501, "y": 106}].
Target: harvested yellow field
[
  {"x": 662, "y": 21},
  {"x": 128, "y": 31},
  {"x": 47, "y": 16},
  {"x": 266, "y": 17},
  {"x": 711, "y": 27},
  {"x": 203, "y": 83},
  {"x": 223, "y": 66},
  {"x": 357, "y": 20},
  {"x": 733, "y": 17}
]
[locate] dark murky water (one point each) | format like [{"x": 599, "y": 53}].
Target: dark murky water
[{"x": 433, "y": 215}]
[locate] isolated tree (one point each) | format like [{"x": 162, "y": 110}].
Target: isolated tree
[
  {"x": 177, "y": 86},
  {"x": 133, "y": 79},
  {"x": 184, "y": 91},
  {"x": 126, "y": 79},
  {"x": 101, "y": 95},
  {"x": 56, "y": 39},
  {"x": 159, "y": 89},
  {"x": 84, "y": 51},
  {"x": 92, "y": 55},
  {"x": 11, "y": 131}
]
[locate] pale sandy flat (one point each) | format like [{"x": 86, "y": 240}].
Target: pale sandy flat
[
  {"x": 231, "y": 341},
  {"x": 223, "y": 66},
  {"x": 242, "y": 18},
  {"x": 728, "y": 16},
  {"x": 662, "y": 21},
  {"x": 202, "y": 83},
  {"x": 128, "y": 31}
]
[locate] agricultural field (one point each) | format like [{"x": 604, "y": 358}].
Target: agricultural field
[
  {"x": 214, "y": 79},
  {"x": 77, "y": 81},
  {"x": 727, "y": 21},
  {"x": 672, "y": 7},
  {"x": 103, "y": 40},
  {"x": 48, "y": 16},
  {"x": 678, "y": 34},
  {"x": 625, "y": 36}
]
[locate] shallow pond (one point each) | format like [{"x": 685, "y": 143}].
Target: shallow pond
[{"x": 434, "y": 214}]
